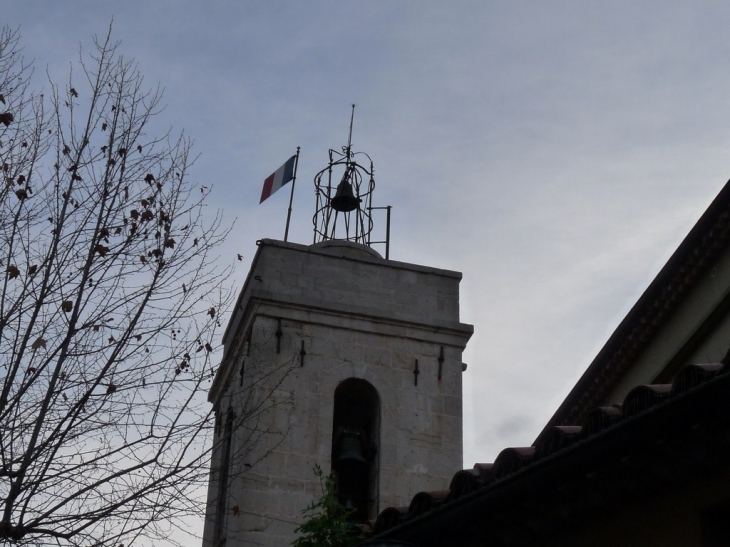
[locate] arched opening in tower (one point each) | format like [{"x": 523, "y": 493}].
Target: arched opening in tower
[{"x": 355, "y": 439}]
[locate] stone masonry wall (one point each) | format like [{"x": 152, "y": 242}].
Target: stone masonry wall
[{"x": 363, "y": 318}]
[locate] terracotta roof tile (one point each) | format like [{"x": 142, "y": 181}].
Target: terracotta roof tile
[
  {"x": 425, "y": 501},
  {"x": 557, "y": 438},
  {"x": 465, "y": 482},
  {"x": 511, "y": 460},
  {"x": 642, "y": 398},
  {"x": 599, "y": 419},
  {"x": 693, "y": 375},
  {"x": 389, "y": 518}
]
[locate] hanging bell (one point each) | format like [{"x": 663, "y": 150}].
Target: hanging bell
[
  {"x": 344, "y": 200},
  {"x": 350, "y": 449}
]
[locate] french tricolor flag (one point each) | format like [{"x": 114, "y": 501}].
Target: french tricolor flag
[{"x": 278, "y": 178}]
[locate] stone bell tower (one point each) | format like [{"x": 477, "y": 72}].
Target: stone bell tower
[{"x": 337, "y": 357}]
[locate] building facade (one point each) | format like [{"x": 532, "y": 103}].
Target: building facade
[{"x": 338, "y": 358}]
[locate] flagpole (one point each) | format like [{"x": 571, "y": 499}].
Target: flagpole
[{"x": 291, "y": 196}]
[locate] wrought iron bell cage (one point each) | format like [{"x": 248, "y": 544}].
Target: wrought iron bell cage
[{"x": 344, "y": 209}]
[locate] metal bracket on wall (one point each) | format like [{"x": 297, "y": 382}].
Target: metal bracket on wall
[
  {"x": 302, "y": 353},
  {"x": 248, "y": 352},
  {"x": 278, "y": 336},
  {"x": 416, "y": 372},
  {"x": 441, "y": 361}
]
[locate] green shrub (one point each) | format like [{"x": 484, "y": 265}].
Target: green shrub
[{"x": 327, "y": 523}]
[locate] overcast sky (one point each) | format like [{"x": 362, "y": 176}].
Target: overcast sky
[{"x": 556, "y": 152}]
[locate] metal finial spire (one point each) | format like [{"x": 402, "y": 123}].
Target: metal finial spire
[{"x": 349, "y": 137}]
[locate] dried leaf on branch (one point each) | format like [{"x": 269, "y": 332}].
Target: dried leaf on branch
[{"x": 38, "y": 344}]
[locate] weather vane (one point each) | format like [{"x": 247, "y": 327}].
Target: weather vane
[{"x": 344, "y": 212}]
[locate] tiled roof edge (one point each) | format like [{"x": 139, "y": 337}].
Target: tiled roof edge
[{"x": 516, "y": 463}]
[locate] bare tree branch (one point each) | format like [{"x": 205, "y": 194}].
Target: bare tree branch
[{"x": 108, "y": 276}]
